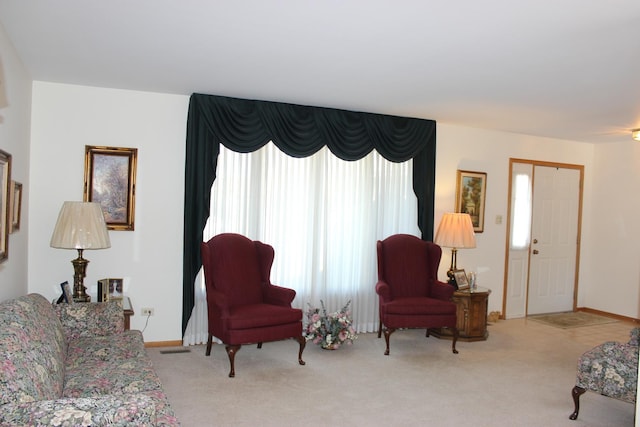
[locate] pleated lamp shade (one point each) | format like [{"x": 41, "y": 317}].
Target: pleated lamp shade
[
  {"x": 80, "y": 225},
  {"x": 456, "y": 231}
]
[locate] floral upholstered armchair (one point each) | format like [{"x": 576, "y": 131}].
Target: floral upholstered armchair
[{"x": 610, "y": 369}]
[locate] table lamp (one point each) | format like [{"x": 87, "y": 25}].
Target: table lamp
[
  {"x": 80, "y": 226},
  {"x": 456, "y": 232}
]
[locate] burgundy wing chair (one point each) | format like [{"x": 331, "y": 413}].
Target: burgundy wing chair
[
  {"x": 409, "y": 292},
  {"x": 243, "y": 306}
]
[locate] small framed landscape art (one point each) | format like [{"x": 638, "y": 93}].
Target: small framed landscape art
[
  {"x": 461, "y": 279},
  {"x": 471, "y": 188},
  {"x": 5, "y": 205},
  {"x": 110, "y": 179}
]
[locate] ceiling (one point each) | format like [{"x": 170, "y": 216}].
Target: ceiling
[{"x": 567, "y": 69}]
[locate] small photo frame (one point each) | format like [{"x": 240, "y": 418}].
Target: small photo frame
[
  {"x": 66, "y": 292},
  {"x": 461, "y": 279},
  {"x": 471, "y": 190},
  {"x": 115, "y": 288}
]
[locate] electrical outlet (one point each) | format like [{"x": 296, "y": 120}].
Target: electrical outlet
[{"x": 147, "y": 311}]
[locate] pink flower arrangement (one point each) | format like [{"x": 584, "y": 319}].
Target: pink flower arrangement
[{"x": 330, "y": 330}]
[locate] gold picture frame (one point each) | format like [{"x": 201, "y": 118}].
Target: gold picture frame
[
  {"x": 461, "y": 279},
  {"x": 16, "y": 206},
  {"x": 471, "y": 190},
  {"x": 110, "y": 179},
  {"x": 5, "y": 205}
]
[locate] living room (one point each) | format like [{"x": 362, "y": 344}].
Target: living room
[{"x": 45, "y": 126}]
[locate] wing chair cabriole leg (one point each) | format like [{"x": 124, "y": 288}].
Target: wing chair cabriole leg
[
  {"x": 387, "y": 333},
  {"x": 455, "y": 339},
  {"x": 380, "y": 328},
  {"x": 259, "y": 345},
  {"x": 208, "y": 353},
  {"x": 303, "y": 342},
  {"x": 231, "y": 352},
  {"x": 576, "y": 393}
]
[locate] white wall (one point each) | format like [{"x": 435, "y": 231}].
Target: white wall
[
  {"x": 489, "y": 151},
  {"x": 65, "y": 119},
  {"x": 615, "y": 254},
  {"x": 15, "y": 113}
]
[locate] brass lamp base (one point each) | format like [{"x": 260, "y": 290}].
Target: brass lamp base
[
  {"x": 454, "y": 259},
  {"x": 80, "y": 269}
]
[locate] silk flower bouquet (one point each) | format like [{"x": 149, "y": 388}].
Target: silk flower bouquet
[{"x": 330, "y": 330}]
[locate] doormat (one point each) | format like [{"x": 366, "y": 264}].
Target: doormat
[{"x": 571, "y": 320}]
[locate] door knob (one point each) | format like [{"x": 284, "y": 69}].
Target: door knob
[{"x": 535, "y": 252}]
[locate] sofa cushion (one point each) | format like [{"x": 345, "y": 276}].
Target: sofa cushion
[
  {"x": 32, "y": 349},
  {"x": 111, "y": 377},
  {"x": 85, "y": 350},
  {"x": 124, "y": 410}
]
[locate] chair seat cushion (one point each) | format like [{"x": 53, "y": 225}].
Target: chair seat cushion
[
  {"x": 261, "y": 315},
  {"x": 419, "y": 306}
]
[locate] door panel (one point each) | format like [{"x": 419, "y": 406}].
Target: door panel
[{"x": 554, "y": 239}]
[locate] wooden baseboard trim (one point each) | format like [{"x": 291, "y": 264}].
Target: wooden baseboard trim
[
  {"x": 163, "y": 344},
  {"x": 604, "y": 313}
]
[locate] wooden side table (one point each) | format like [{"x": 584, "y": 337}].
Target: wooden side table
[
  {"x": 128, "y": 312},
  {"x": 472, "y": 308}
]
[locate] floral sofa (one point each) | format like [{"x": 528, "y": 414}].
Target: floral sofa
[
  {"x": 610, "y": 369},
  {"x": 74, "y": 365}
]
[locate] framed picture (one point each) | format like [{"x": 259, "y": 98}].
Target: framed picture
[
  {"x": 471, "y": 189},
  {"x": 66, "y": 292},
  {"x": 110, "y": 179},
  {"x": 461, "y": 279},
  {"x": 5, "y": 206},
  {"x": 16, "y": 205},
  {"x": 115, "y": 288}
]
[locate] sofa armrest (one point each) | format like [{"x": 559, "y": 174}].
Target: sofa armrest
[
  {"x": 112, "y": 410},
  {"x": 91, "y": 319}
]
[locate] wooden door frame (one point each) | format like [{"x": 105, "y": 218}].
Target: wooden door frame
[{"x": 535, "y": 163}]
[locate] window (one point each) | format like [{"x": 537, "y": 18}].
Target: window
[{"x": 521, "y": 221}]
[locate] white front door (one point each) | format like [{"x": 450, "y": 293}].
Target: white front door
[
  {"x": 554, "y": 240},
  {"x": 542, "y": 238}
]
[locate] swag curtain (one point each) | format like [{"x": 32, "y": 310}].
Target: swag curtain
[{"x": 299, "y": 131}]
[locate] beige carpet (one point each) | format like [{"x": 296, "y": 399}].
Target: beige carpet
[
  {"x": 521, "y": 376},
  {"x": 571, "y": 320}
]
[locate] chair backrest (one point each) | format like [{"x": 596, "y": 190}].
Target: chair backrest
[
  {"x": 237, "y": 267},
  {"x": 408, "y": 265}
]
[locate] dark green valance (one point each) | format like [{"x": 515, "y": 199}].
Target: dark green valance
[{"x": 299, "y": 131}]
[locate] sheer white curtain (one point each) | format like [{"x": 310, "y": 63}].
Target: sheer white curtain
[{"x": 322, "y": 215}]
